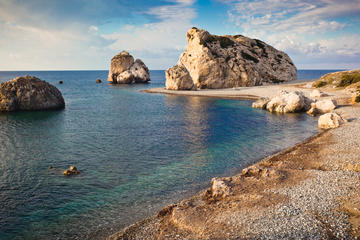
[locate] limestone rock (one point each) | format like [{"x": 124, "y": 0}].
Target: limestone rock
[
  {"x": 220, "y": 187},
  {"x": 330, "y": 120},
  {"x": 289, "y": 102},
  {"x": 317, "y": 94},
  {"x": 29, "y": 93},
  {"x": 178, "y": 78},
  {"x": 261, "y": 103},
  {"x": 124, "y": 69},
  {"x": 71, "y": 171},
  {"x": 323, "y": 106},
  {"x": 232, "y": 61}
]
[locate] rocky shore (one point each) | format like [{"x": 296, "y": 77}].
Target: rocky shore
[{"x": 309, "y": 191}]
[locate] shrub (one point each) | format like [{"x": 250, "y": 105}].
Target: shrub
[
  {"x": 319, "y": 84},
  {"x": 348, "y": 79}
]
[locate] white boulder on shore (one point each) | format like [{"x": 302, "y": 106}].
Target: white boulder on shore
[
  {"x": 123, "y": 69},
  {"x": 213, "y": 62},
  {"x": 330, "y": 120},
  {"x": 323, "y": 106},
  {"x": 289, "y": 102}
]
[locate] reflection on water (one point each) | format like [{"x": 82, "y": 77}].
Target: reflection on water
[{"x": 137, "y": 152}]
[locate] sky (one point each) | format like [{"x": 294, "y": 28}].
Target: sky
[{"x": 85, "y": 34}]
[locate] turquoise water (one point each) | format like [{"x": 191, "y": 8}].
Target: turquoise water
[{"x": 137, "y": 152}]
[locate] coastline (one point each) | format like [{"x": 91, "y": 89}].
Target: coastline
[{"x": 305, "y": 191}]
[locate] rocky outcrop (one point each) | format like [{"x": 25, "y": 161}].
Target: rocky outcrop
[
  {"x": 323, "y": 106},
  {"x": 338, "y": 79},
  {"x": 123, "y": 69},
  {"x": 29, "y": 93},
  {"x": 289, "y": 102},
  {"x": 231, "y": 61},
  {"x": 330, "y": 120}
]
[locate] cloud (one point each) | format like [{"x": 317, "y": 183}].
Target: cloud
[
  {"x": 160, "y": 40},
  {"x": 302, "y": 28}
]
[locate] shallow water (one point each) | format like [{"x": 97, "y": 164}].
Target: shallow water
[{"x": 136, "y": 152}]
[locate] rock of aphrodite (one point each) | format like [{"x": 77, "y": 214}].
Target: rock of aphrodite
[
  {"x": 123, "y": 69},
  {"x": 228, "y": 61},
  {"x": 29, "y": 93}
]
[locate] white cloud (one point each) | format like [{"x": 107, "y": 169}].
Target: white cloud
[{"x": 161, "y": 40}]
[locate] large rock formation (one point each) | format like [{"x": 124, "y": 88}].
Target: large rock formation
[
  {"x": 29, "y": 93},
  {"x": 123, "y": 69},
  {"x": 229, "y": 61}
]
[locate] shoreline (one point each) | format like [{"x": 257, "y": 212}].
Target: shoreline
[{"x": 257, "y": 193}]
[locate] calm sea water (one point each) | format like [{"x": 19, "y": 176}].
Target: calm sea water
[{"x": 137, "y": 152}]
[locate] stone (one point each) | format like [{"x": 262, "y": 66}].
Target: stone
[
  {"x": 123, "y": 69},
  {"x": 61, "y": 82},
  {"x": 71, "y": 171},
  {"x": 178, "y": 78},
  {"x": 289, "y": 102},
  {"x": 355, "y": 98},
  {"x": 231, "y": 61},
  {"x": 98, "y": 81},
  {"x": 220, "y": 187},
  {"x": 323, "y": 106},
  {"x": 330, "y": 120},
  {"x": 29, "y": 93},
  {"x": 261, "y": 103},
  {"x": 317, "y": 94}
]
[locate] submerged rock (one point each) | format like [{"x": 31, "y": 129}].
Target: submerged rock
[
  {"x": 230, "y": 61},
  {"x": 330, "y": 120},
  {"x": 71, "y": 171},
  {"x": 123, "y": 69},
  {"x": 29, "y": 93},
  {"x": 289, "y": 102}
]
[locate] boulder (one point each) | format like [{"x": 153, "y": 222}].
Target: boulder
[
  {"x": 178, "y": 78},
  {"x": 289, "y": 102},
  {"x": 231, "y": 61},
  {"x": 29, "y": 93},
  {"x": 220, "y": 187},
  {"x": 123, "y": 69},
  {"x": 71, "y": 171},
  {"x": 330, "y": 120},
  {"x": 98, "y": 81},
  {"x": 317, "y": 94},
  {"x": 261, "y": 103},
  {"x": 323, "y": 106}
]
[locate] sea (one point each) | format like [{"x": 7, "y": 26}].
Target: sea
[{"x": 137, "y": 152}]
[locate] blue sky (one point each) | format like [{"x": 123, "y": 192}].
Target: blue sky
[{"x": 85, "y": 34}]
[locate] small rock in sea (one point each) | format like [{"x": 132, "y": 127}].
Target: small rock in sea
[
  {"x": 71, "y": 171},
  {"x": 51, "y": 167},
  {"x": 98, "y": 80},
  {"x": 61, "y": 82}
]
